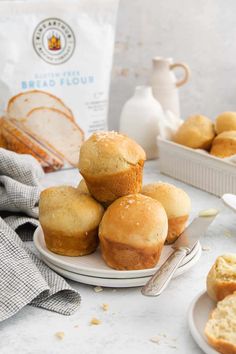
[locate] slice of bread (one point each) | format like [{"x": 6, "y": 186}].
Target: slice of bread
[
  {"x": 221, "y": 279},
  {"x": 220, "y": 329},
  {"x": 3, "y": 143},
  {"x": 19, "y": 141},
  {"x": 55, "y": 130},
  {"x": 20, "y": 105}
]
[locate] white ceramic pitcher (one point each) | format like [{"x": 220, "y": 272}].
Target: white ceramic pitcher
[{"x": 164, "y": 84}]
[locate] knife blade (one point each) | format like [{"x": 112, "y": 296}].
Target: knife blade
[{"x": 183, "y": 246}]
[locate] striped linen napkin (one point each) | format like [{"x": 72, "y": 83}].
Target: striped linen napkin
[{"x": 24, "y": 278}]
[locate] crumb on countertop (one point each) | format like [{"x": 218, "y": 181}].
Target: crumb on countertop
[
  {"x": 163, "y": 335},
  {"x": 60, "y": 335},
  {"x": 205, "y": 248},
  {"x": 95, "y": 321},
  {"x": 155, "y": 339},
  {"x": 105, "y": 307},
  {"x": 98, "y": 289}
]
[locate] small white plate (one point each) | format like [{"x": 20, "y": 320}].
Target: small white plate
[
  {"x": 93, "y": 264},
  {"x": 115, "y": 282},
  {"x": 229, "y": 200},
  {"x": 198, "y": 314}
]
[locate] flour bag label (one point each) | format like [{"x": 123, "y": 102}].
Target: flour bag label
[{"x": 55, "y": 64}]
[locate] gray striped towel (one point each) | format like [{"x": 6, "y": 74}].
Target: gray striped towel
[{"x": 24, "y": 278}]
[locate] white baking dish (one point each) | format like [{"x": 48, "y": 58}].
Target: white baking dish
[{"x": 198, "y": 168}]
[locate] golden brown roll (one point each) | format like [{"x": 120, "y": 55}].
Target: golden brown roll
[
  {"x": 196, "y": 132},
  {"x": 82, "y": 187},
  {"x": 224, "y": 145},
  {"x": 221, "y": 279},
  {"x": 69, "y": 221},
  {"x": 225, "y": 121},
  {"x": 112, "y": 165},
  {"x": 176, "y": 203},
  {"x": 132, "y": 232}
]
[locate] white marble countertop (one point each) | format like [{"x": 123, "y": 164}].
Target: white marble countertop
[{"x": 132, "y": 319}]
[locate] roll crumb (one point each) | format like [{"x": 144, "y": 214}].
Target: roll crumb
[
  {"x": 60, "y": 335},
  {"x": 95, "y": 321},
  {"x": 98, "y": 289},
  {"x": 105, "y": 307}
]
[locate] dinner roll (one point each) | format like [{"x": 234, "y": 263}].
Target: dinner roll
[
  {"x": 82, "y": 187},
  {"x": 112, "y": 165},
  {"x": 221, "y": 279},
  {"x": 224, "y": 145},
  {"x": 176, "y": 203},
  {"x": 225, "y": 121},
  {"x": 220, "y": 329},
  {"x": 132, "y": 232},
  {"x": 69, "y": 221},
  {"x": 196, "y": 132}
]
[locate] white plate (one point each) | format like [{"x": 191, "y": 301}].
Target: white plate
[
  {"x": 93, "y": 264},
  {"x": 229, "y": 200},
  {"x": 198, "y": 315},
  {"x": 115, "y": 282}
]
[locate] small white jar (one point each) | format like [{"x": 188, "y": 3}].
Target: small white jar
[{"x": 141, "y": 119}]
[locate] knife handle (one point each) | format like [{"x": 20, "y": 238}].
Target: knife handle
[{"x": 163, "y": 275}]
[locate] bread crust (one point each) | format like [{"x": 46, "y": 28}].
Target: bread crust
[
  {"x": 220, "y": 344},
  {"x": 176, "y": 203},
  {"x": 225, "y": 121},
  {"x": 82, "y": 187},
  {"x": 196, "y": 132},
  {"x": 175, "y": 228},
  {"x": 69, "y": 220},
  {"x": 3, "y": 142},
  {"x": 108, "y": 153},
  {"x": 217, "y": 287},
  {"x": 107, "y": 188},
  {"x": 11, "y": 101},
  {"x": 20, "y": 142},
  {"x": 79, "y": 244},
  {"x": 224, "y": 145},
  {"x": 125, "y": 257},
  {"x": 47, "y": 143},
  {"x": 132, "y": 232}
]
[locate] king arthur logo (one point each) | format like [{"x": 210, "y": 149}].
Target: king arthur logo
[{"x": 54, "y": 41}]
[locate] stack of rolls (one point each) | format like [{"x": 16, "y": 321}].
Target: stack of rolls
[{"x": 109, "y": 207}]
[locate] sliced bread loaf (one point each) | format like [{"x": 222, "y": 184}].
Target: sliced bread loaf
[
  {"x": 20, "y": 105},
  {"x": 3, "y": 143},
  {"x": 220, "y": 329},
  {"x": 19, "y": 141},
  {"x": 55, "y": 130}
]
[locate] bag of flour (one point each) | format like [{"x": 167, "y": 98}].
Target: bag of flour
[{"x": 55, "y": 65}]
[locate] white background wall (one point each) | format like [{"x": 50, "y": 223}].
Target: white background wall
[{"x": 201, "y": 33}]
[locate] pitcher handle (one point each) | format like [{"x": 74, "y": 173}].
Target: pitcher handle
[{"x": 186, "y": 73}]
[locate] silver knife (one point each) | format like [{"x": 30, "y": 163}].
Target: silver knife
[{"x": 182, "y": 247}]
